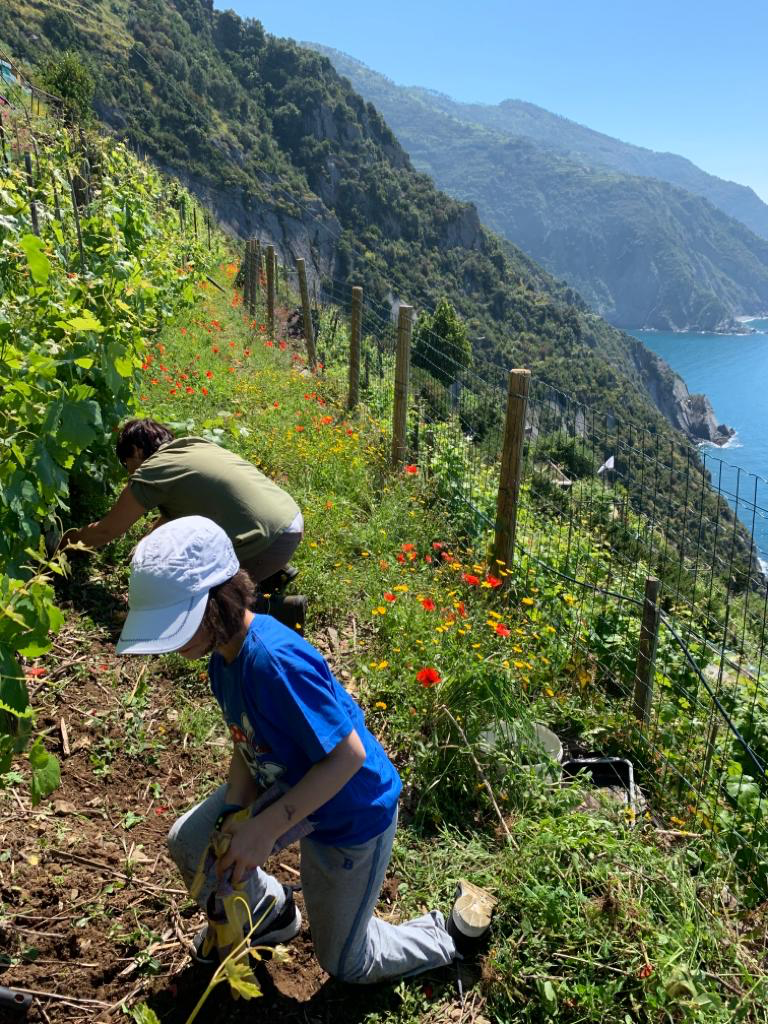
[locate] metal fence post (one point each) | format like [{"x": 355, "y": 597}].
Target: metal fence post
[
  {"x": 511, "y": 472},
  {"x": 646, "y": 653},
  {"x": 355, "y": 331},
  {"x": 402, "y": 375}
]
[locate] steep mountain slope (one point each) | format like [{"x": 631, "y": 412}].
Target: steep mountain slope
[
  {"x": 280, "y": 145},
  {"x": 639, "y": 250}
]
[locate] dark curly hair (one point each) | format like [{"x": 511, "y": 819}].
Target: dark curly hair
[
  {"x": 146, "y": 435},
  {"x": 227, "y": 603}
]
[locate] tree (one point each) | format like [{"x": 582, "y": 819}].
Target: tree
[
  {"x": 68, "y": 77},
  {"x": 440, "y": 343}
]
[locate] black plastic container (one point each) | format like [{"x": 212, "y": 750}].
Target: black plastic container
[{"x": 614, "y": 772}]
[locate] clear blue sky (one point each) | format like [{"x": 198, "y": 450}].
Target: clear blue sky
[{"x": 678, "y": 75}]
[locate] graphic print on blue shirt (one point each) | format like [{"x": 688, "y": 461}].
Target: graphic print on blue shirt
[
  {"x": 255, "y": 755},
  {"x": 286, "y": 711}
]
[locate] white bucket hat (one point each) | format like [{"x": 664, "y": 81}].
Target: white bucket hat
[{"x": 172, "y": 570}]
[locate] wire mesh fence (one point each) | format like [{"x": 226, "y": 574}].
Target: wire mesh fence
[{"x": 603, "y": 507}]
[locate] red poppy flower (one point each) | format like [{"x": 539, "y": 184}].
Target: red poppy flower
[
  {"x": 299, "y": 427},
  {"x": 155, "y": 380},
  {"x": 283, "y": 345},
  {"x": 231, "y": 344},
  {"x": 183, "y": 330},
  {"x": 428, "y": 676},
  {"x": 428, "y": 604},
  {"x": 215, "y": 349},
  {"x": 172, "y": 391},
  {"x": 389, "y": 597},
  {"x": 204, "y": 391},
  {"x": 161, "y": 349},
  {"x": 400, "y": 557},
  {"x": 246, "y": 351},
  {"x": 269, "y": 344},
  {"x": 209, "y": 374},
  {"x": 461, "y": 609},
  {"x": 276, "y": 405},
  {"x": 34, "y": 673},
  {"x": 262, "y": 327},
  {"x": 473, "y": 581},
  {"x": 409, "y": 547},
  {"x": 492, "y": 581},
  {"x": 428, "y": 559},
  {"x": 437, "y": 545},
  {"x": 411, "y": 470},
  {"x": 501, "y": 629},
  {"x": 190, "y": 391},
  {"x": 326, "y": 420}
]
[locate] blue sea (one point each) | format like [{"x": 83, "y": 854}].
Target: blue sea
[{"x": 732, "y": 369}]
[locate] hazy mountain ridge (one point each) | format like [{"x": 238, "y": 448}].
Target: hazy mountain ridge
[{"x": 642, "y": 252}]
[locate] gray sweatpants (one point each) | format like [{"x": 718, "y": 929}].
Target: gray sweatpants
[{"x": 341, "y": 887}]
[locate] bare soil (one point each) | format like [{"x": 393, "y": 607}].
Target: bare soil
[{"x": 94, "y": 917}]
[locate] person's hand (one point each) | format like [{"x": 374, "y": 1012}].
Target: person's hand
[{"x": 249, "y": 847}]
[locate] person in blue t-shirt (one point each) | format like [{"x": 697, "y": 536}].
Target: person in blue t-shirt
[{"x": 299, "y": 736}]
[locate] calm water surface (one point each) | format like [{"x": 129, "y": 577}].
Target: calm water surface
[{"x": 732, "y": 369}]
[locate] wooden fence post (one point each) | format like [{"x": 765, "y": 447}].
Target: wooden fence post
[
  {"x": 355, "y": 332},
  {"x": 402, "y": 375},
  {"x": 6, "y": 162},
  {"x": 31, "y": 188},
  {"x": 511, "y": 472},
  {"x": 77, "y": 223},
  {"x": 247, "y": 274},
  {"x": 258, "y": 264},
  {"x": 646, "y": 653},
  {"x": 254, "y": 277},
  {"x": 306, "y": 314},
  {"x": 271, "y": 292},
  {"x": 56, "y": 203}
]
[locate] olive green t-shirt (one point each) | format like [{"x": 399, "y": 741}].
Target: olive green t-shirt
[{"x": 194, "y": 477}]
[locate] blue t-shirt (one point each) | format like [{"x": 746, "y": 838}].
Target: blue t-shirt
[{"x": 285, "y": 712}]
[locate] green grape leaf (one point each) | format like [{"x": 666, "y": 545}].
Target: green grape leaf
[
  {"x": 143, "y": 1014},
  {"x": 85, "y": 322},
  {"x": 46, "y": 775},
  {"x": 39, "y": 264},
  {"x": 241, "y": 979},
  {"x": 80, "y": 423}
]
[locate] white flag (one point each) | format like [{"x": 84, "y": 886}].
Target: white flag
[{"x": 608, "y": 464}]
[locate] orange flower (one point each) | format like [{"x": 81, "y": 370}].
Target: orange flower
[
  {"x": 326, "y": 420},
  {"x": 209, "y": 374},
  {"x": 428, "y": 676},
  {"x": 501, "y": 629},
  {"x": 428, "y": 604},
  {"x": 389, "y": 597},
  {"x": 492, "y": 581},
  {"x": 299, "y": 427},
  {"x": 215, "y": 349},
  {"x": 409, "y": 547},
  {"x": 269, "y": 344},
  {"x": 204, "y": 391},
  {"x": 183, "y": 330},
  {"x": 190, "y": 391},
  {"x": 473, "y": 581},
  {"x": 461, "y": 609},
  {"x": 411, "y": 470}
]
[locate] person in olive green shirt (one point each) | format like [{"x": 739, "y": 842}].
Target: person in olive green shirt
[{"x": 189, "y": 476}]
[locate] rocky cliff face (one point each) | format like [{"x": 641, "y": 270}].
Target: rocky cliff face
[{"x": 692, "y": 414}]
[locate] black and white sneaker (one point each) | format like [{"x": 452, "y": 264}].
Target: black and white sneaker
[
  {"x": 469, "y": 923},
  {"x": 283, "y": 928}
]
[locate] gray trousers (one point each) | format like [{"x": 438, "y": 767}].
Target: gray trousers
[
  {"x": 341, "y": 887},
  {"x": 278, "y": 554}
]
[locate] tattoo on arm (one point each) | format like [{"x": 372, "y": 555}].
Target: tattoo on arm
[{"x": 290, "y": 810}]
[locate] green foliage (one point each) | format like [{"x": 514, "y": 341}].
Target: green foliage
[
  {"x": 441, "y": 344},
  {"x": 68, "y": 78},
  {"x": 72, "y": 338}
]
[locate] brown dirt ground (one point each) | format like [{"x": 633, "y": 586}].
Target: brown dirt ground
[{"x": 92, "y": 907}]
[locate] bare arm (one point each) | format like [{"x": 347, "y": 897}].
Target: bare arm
[
  {"x": 120, "y": 518},
  {"x": 252, "y": 841}
]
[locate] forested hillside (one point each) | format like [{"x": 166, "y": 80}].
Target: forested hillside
[
  {"x": 280, "y": 145},
  {"x": 641, "y": 251},
  {"x": 516, "y": 117}
]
